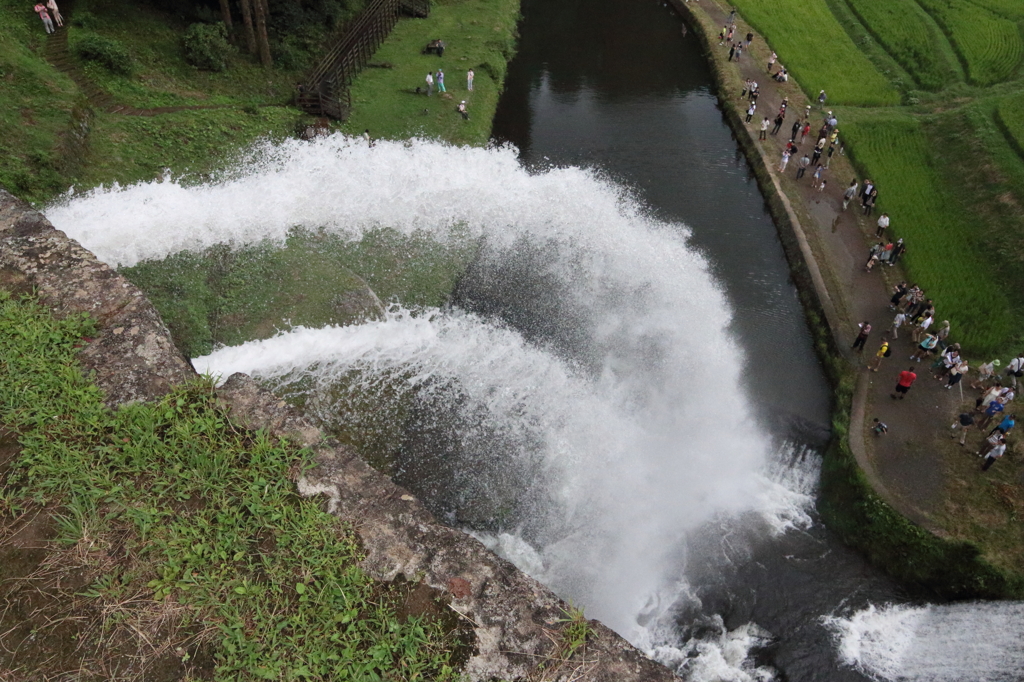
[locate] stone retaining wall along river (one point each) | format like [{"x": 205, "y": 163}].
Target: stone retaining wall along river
[{"x": 515, "y": 619}]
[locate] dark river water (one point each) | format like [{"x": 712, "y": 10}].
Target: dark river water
[{"x": 614, "y": 85}]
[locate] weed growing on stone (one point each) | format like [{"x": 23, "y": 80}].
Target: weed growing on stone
[{"x": 179, "y": 539}]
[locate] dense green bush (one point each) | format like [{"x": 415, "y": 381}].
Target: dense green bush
[
  {"x": 106, "y": 51},
  {"x": 206, "y": 46}
]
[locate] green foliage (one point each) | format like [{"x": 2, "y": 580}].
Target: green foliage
[
  {"x": 942, "y": 256},
  {"x": 907, "y": 34},
  {"x": 480, "y": 34},
  {"x": 206, "y": 46},
  {"x": 575, "y": 631},
  {"x": 990, "y": 46},
  {"x": 1010, "y": 117},
  {"x": 817, "y": 51},
  {"x": 202, "y": 514},
  {"x": 225, "y": 296},
  {"x": 109, "y": 53}
]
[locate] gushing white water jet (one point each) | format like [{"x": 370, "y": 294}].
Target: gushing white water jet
[
  {"x": 608, "y": 449},
  {"x": 980, "y": 641}
]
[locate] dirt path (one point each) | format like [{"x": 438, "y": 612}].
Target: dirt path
[{"x": 904, "y": 464}]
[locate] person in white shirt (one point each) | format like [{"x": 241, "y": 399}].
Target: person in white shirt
[
  {"x": 1015, "y": 369},
  {"x": 883, "y": 223},
  {"x": 430, "y": 84}
]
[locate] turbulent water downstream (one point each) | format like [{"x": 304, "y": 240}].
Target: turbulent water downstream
[{"x": 621, "y": 396}]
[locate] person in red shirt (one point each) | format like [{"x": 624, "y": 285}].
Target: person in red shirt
[{"x": 906, "y": 380}]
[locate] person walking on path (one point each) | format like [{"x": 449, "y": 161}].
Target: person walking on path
[
  {"x": 965, "y": 422},
  {"x": 795, "y": 131},
  {"x": 956, "y": 373},
  {"x": 750, "y": 111},
  {"x": 1015, "y": 369},
  {"x": 997, "y": 451},
  {"x": 430, "y": 84},
  {"x": 721, "y": 36},
  {"x": 883, "y": 224},
  {"x": 763, "y": 135},
  {"x": 817, "y": 180},
  {"x": 850, "y": 193},
  {"x": 903, "y": 384},
  {"x": 883, "y": 352},
  {"x": 869, "y": 202},
  {"x": 817, "y": 150},
  {"x": 785, "y": 161},
  {"x": 40, "y": 9},
  {"x": 803, "y": 133},
  {"x": 55, "y": 12},
  {"x": 469, "y": 80},
  {"x": 778, "y": 123},
  {"x": 440, "y": 81},
  {"x": 805, "y": 161},
  {"x": 771, "y": 61},
  {"x": 862, "y": 337},
  {"x": 750, "y": 39},
  {"x": 732, "y": 51}
]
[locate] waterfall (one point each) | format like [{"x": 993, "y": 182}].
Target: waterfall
[{"x": 935, "y": 643}]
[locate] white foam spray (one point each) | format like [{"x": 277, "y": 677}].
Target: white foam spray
[
  {"x": 981, "y": 641},
  {"x": 646, "y": 438}
]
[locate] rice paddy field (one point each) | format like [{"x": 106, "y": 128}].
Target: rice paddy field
[{"x": 945, "y": 146}]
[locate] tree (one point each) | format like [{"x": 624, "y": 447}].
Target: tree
[
  {"x": 261, "y": 32},
  {"x": 250, "y": 36}
]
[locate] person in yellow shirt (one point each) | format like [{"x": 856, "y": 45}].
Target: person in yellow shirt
[{"x": 883, "y": 352}]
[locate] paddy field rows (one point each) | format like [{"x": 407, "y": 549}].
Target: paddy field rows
[{"x": 930, "y": 100}]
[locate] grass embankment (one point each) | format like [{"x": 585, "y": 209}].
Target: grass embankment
[
  {"x": 227, "y": 296},
  {"x": 175, "y": 541},
  {"x": 480, "y": 35}
]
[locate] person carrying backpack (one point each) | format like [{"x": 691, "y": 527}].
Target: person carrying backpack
[{"x": 884, "y": 351}]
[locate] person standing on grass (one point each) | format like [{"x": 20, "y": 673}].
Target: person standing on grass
[
  {"x": 829, "y": 153},
  {"x": 462, "y": 110},
  {"x": 1015, "y": 369},
  {"x": 785, "y": 161},
  {"x": 995, "y": 453},
  {"x": 866, "y": 190},
  {"x": 869, "y": 203},
  {"x": 750, "y": 111},
  {"x": 430, "y": 84},
  {"x": 763, "y": 135},
  {"x": 883, "y": 352},
  {"x": 440, "y": 81},
  {"x": 469, "y": 80},
  {"x": 956, "y": 373},
  {"x": 850, "y": 193},
  {"x": 747, "y": 87},
  {"x": 1005, "y": 426},
  {"x": 988, "y": 396},
  {"x": 750, "y": 39},
  {"x": 989, "y": 413},
  {"x": 862, "y": 337},
  {"x": 771, "y": 61},
  {"x": 903, "y": 384},
  {"x": 821, "y": 99},
  {"x": 898, "y": 250},
  {"x": 805, "y": 161},
  {"x": 965, "y": 422},
  {"x": 40, "y": 9},
  {"x": 883, "y": 224},
  {"x": 55, "y": 12},
  {"x": 986, "y": 372}
]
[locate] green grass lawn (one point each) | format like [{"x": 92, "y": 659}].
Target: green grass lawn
[
  {"x": 991, "y": 46},
  {"x": 35, "y": 107},
  {"x": 817, "y": 51},
  {"x": 944, "y": 255},
  {"x": 479, "y": 36},
  {"x": 168, "y": 519}
]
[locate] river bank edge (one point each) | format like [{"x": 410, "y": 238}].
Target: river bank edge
[{"x": 853, "y": 501}]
